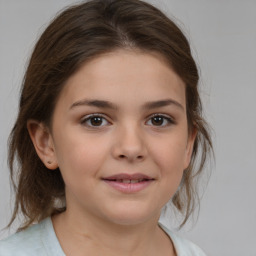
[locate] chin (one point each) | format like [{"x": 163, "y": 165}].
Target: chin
[{"x": 128, "y": 216}]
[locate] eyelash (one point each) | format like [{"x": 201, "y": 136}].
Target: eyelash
[
  {"x": 166, "y": 118},
  {"x": 87, "y": 118}
]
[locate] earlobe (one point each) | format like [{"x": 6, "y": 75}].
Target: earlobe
[{"x": 43, "y": 143}]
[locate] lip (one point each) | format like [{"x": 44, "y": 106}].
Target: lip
[{"x": 120, "y": 182}]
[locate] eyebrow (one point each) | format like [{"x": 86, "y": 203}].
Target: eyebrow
[
  {"x": 109, "y": 105},
  {"x": 162, "y": 103},
  {"x": 94, "y": 103}
]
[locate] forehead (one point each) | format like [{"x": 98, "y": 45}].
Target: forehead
[{"x": 124, "y": 75}]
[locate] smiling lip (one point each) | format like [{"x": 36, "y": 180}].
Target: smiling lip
[{"x": 129, "y": 183}]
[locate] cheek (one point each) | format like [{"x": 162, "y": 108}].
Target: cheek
[
  {"x": 168, "y": 160},
  {"x": 79, "y": 158},
  {"x": 169, "y": 157}
]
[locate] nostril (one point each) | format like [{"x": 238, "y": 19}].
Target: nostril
[{"x": 123, "y": 156}]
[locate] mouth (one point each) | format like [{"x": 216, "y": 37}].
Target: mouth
[{"x": 129, "y": 183}]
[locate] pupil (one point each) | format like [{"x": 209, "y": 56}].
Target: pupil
[
  {"x": 96, "y": 121},
  {"x": 157, "y": 120}
]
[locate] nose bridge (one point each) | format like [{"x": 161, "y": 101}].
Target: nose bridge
[{"x": 129, "y": 143}]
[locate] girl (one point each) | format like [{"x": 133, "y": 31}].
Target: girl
[{"x": 108, "y": 132}]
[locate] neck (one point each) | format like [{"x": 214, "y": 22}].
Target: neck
[{"x": 95, "y": 236}]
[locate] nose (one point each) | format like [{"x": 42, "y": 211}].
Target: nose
[{"x": 129, "y": 145}]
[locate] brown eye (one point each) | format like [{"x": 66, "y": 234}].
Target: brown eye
[
  {"x": 94, "y": 121},
  {"x": 160, "y": 120},
  {"x": 157, "y": 120}
]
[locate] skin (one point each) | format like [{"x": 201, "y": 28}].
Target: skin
[{"x": 126, "y": 139}]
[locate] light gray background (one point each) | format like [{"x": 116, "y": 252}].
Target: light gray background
[{"x": 223, "y": 37}]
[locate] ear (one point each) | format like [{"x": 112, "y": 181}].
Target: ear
[
  {"x": 189, "y": 149},
  {"x": 43, "y": 143}
]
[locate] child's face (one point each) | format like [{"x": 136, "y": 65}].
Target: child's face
[{"x": 138, "y": 129}]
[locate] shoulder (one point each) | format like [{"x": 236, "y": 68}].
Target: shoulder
[
  {"x": 183, "y": 246},
  {"x": 26, "y": 242},
  {"x": 22, "y": 243},
  {"x": 35, "y": 240}
]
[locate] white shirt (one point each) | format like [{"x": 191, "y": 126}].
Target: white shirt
[{"x": 41, "y": 240}]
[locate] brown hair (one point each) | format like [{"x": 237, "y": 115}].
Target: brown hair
[{"x": 75, "y": 36}]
